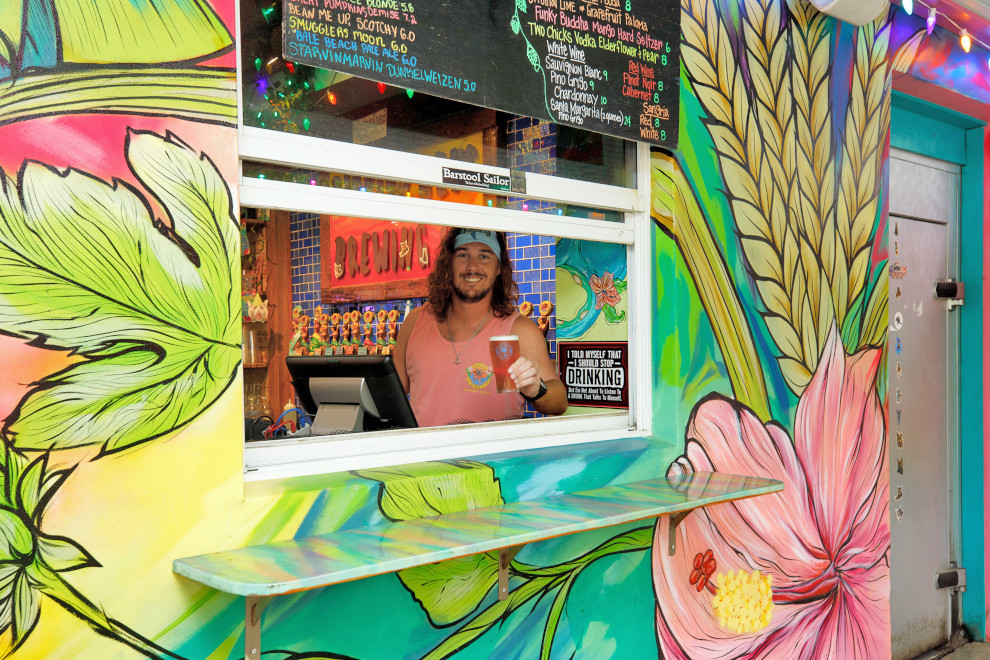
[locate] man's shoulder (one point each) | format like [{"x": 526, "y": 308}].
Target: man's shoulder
[
  {"x": 423, "y": 310},
  {"x": 522, "y": 323}
]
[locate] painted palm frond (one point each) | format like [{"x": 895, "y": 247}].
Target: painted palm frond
[{"x": 866, "y": 129}]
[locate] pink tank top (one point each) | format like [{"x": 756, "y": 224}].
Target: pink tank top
[{"x": 442, "y": 392}]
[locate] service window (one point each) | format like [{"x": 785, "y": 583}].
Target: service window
[{"x": 347, "y": 188}]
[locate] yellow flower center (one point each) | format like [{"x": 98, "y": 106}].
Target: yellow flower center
[{"x": 743, "y": 602}]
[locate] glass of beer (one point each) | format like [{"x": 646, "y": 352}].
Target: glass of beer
[{"x": 504, "y": 351}]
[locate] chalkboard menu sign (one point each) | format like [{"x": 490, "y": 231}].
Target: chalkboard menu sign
[{"x": 607, "y": 66}]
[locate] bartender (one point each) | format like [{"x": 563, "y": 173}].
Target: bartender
[{"x": 442, "y": 350}]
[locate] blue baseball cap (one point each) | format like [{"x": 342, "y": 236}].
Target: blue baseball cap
[{"x": 485, "y": 236}]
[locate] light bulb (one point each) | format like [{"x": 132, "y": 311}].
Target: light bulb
[
  {"x": 965, "y": 41},
  {"x": 930, "y": 21},
  {"x": 908, "y": 6}
]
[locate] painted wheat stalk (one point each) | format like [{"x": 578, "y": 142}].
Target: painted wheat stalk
[
  {"x": 753, "y": 165},
  {"x": 813, "y": 196},
  {"x": 865, "y": 135}
]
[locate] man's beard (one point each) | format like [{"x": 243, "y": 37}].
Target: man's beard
[{"x": 464, "y": 297}]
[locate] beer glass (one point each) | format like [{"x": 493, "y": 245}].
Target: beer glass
[{"x": 504, "y": 351}]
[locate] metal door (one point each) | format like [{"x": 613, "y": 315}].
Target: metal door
[{"x": 923, "y": 401}]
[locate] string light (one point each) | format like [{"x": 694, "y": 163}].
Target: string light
[
  {"x": 908, "y": 6},
  {"x": 966, "y": 40}
]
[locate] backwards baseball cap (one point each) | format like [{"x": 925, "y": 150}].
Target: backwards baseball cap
[{"x": 489, "y": 238}]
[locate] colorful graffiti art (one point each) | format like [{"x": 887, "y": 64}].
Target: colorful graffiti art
[
  {"x": 120, "y": 314},
  {"x": 801, "y": 163}
]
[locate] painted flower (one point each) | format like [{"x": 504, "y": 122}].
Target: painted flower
[
  {"x": 822, "y": 541},
  {"x": 605, "y": 291},
  {"x": 525, "y": 308}
]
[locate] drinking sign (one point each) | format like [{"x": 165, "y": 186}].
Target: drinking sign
[{"x": 595, "y": 373}]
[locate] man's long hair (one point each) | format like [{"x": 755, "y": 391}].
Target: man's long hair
[{"x": 441, "y": 286}]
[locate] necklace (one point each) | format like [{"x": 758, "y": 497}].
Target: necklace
[{"x": 450, "y": 337}]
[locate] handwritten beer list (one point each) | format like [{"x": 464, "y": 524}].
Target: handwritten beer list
[
  {"x": 373, "y": 38},
  {"x": 605, "y": 64},
  {"x": 602, "y": 65}
]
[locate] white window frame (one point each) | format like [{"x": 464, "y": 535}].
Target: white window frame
[{"x": 285, "y": 458}]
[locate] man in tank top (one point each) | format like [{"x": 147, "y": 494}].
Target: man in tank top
[{"x": 442, "y": 350}]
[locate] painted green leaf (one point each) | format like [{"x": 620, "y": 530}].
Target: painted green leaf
[
  {"x": 21, "y": 608},
  {"x": 673, "y": 197},
  {"x": 612, "y": 315},
  {"x": 32, "y": 483},
  {"x": 874, "y": 324},
  {"x": 16, "y": 540},
  {"x": 151, "y": 312},
  {"x": 63, "y": 554},
  {"x": 423, "y": 490},
  {"x": 139, "y": 31},
  {"x": 452, "y": 589}
]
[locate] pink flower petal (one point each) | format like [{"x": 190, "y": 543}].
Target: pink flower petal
[
  {"x": 728, "y": 437},
  {"x": 840, "y": 438},
  {"x": 686, "y": 622},
  {"x": 823, "y": 539}
]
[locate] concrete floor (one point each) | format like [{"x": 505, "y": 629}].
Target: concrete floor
[{"x": 971, "y": 651}]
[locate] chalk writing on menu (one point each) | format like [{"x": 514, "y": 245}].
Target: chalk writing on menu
[{"x": 608, "y": 66}]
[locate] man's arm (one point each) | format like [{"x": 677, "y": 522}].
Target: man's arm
[
  {"x": 401, "y": 342},
  {"x": 534, "y": 365}
]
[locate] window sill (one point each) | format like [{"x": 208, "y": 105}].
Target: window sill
[{"x": 282, "y": 459}]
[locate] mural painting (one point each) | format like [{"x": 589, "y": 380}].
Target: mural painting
[{"x": 120, "y": 311}]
